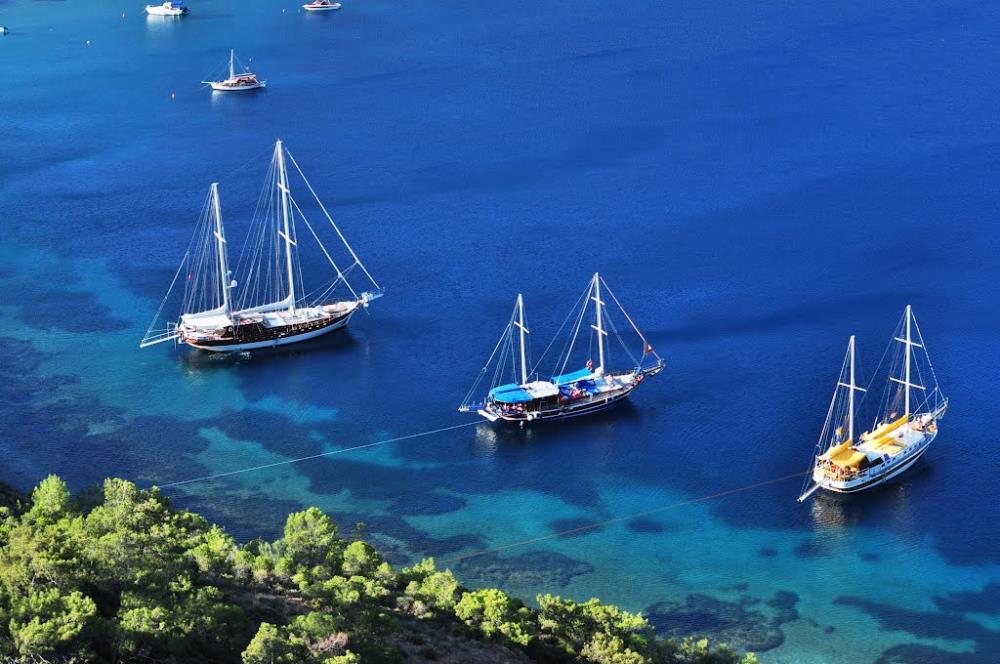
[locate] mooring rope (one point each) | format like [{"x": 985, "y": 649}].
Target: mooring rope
[
  {"x": 342, "y": 450},
  {"x": 629, "y": 517},
  {"x": 505, "y": 547}
]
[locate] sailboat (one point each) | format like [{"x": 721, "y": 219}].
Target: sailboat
[
  {"x": 271, "y": 308},
  {"x": 528, "y": 398},
  {"x": 905, "y": 426},
  {"x": 237, "y": 82}
]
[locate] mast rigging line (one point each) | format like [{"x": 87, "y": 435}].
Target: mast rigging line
[
  {"x": 322, "y": 207},
  {"x": 342, "y": 450},
  {"x": 619, "y": 519}
]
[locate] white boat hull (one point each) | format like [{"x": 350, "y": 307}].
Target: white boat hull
[
  {"x": 905, "y": 461},
  {"x": 163, "y": 11},
  {"x": 325, "y": 8},
  {"x": 221, "y": 87},
  {"x": 272, "y": 343}
]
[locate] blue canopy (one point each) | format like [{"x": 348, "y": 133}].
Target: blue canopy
[
  {"x": 572, "y": 377},
  {"x": 511, "y": 393}
]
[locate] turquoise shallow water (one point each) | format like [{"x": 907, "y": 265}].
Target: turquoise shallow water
[{"x": 756, "y": 183}]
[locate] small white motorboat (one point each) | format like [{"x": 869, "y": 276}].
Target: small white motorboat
[
  {"x": 3, "y": 30},
  {"x": 321, "y": 6},
  {"x": 168, "y": 8},
  {"x": 237, "y": 82}
]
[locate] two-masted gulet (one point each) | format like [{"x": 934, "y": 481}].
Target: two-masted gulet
[
  {"x": 905, "y": 424},
  {"x": 589, "y": 389},
  {"x": 271, "y": 307}
]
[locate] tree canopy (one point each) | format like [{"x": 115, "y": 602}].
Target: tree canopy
[{"x": 118, "y": 574}]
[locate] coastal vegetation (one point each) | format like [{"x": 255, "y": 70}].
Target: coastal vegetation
[{"x": 117, "y": 574}]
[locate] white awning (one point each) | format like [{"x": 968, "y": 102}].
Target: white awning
[
  {"x": 207, "y": 320},
  {"x": 541, "y": 389}
]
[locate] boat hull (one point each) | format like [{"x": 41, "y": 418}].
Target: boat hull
[
  {"x": 899, "y": 464},
  {"x": 279, "y": 336},
  {"x": 161, "y": 11},
  {"x": 582, "y": 407},
  {"x": 882, "y": 478},
  {"x": 324, "y": 8},
  {"x": 589, "y": 406},
  {"x": 220, "y": 87}
]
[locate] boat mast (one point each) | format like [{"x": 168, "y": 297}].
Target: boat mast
[
  {"x": 598, "y": 312},
  {"x": 285, "y": 233},
  {"x": 519, "y": 323},
  {"x": 909, "y": 342},
  {"x": 850, "y": 407},
  {"x": 852, "y": 387},
  {"x": 232, "y": 72},
  {"x": 220, "y": 240}
]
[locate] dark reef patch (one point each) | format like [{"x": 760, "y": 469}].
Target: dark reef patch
[
  {"x": 810, "y": 550},
  {"x": 71, "y": 311},
  {"x": 932, "y": 625},
  {"x": 915, "y": 653},
  {"x": 767, "y": 552},
  {"x": 870, "y": 557},
  {"x": 734, "y": 623},
  {"x": 784, "y": 602},
  {"x": 646, "y": 526},
  {"x": 925, "y": 624},
  {"x": 986, "y": 600},
  {"x": 426, "y": 502},
  {"x": 542, "y": 569}
]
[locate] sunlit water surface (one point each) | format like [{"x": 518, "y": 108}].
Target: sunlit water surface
[{"x": 757, "y": 181}]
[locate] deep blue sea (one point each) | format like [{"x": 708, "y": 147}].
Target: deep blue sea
[{"x": 756, "y": 180}]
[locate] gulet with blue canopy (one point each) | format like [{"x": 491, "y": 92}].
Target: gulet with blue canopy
[{"x": 517, "y": 391}]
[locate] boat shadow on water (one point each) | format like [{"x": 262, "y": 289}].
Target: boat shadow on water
[{"x": 892, "y": 500}]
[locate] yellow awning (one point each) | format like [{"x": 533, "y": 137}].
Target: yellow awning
[
  {"x": 848, "y": 458},
  {"x": 833, "y": 451},
  {"x": 886, "y": 428}
]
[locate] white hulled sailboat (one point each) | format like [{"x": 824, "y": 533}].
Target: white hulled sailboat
[
  {"x": 587, "y": 390},
  {"x": 904, "y": 428},
  {"x": 271, "y": 308},
  {"x": 237, "y": 82}
]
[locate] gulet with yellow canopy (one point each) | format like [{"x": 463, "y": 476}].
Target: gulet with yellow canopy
[{"x": 905, "y": 425}]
